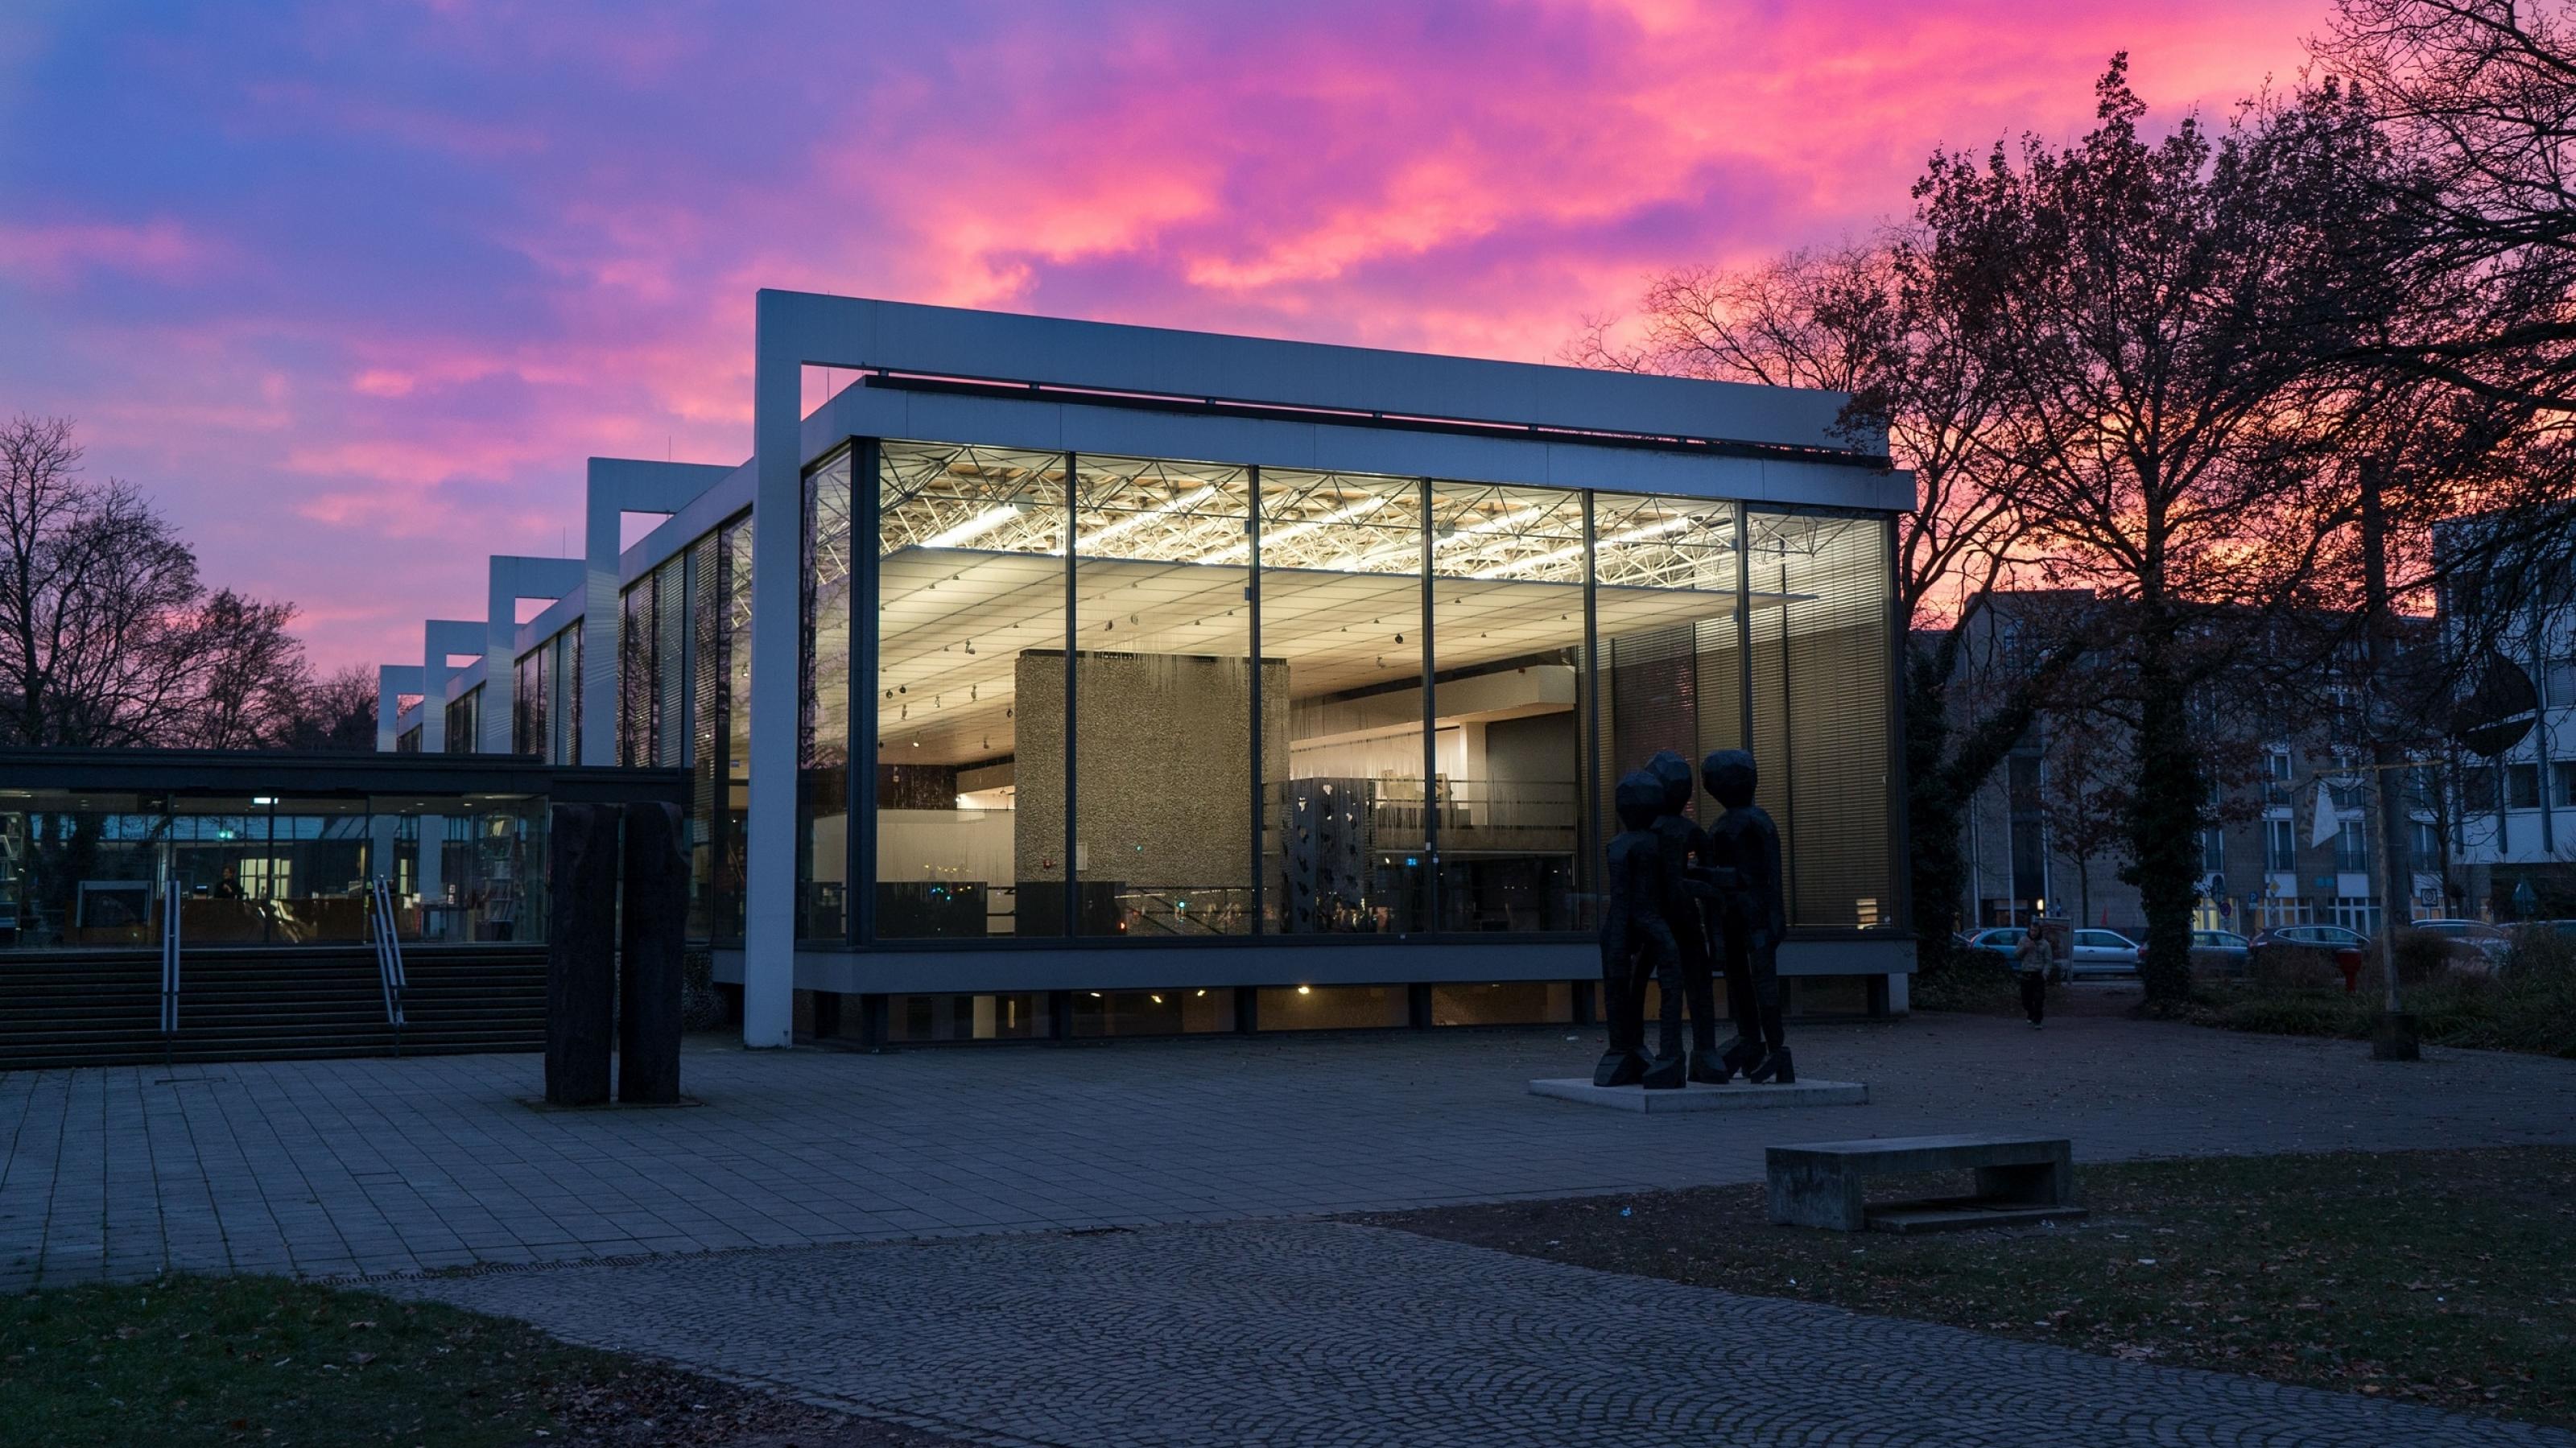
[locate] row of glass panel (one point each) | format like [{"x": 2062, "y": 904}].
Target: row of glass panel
[
  {"x": 1382, "y": 808},
  {"x": 97, "y": 869}
]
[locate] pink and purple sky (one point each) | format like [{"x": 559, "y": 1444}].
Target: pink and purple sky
[{"x": 352, "y": 290}]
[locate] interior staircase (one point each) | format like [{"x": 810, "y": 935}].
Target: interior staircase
[{"x": 103, "y": 1008}]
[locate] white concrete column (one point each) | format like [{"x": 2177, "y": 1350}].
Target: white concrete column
[
  {"x": 616, "y": 487},
  {"x": 777, "y": 568},
  {"x": 510, "y": 579},
  {"x": 392, "y": 682}
]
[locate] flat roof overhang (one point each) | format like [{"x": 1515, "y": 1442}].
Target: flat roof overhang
[{"x": 223, "y": 773}]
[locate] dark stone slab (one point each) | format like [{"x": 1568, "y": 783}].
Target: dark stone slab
[
  {"x": 655, "y": 924},
  {"x": 1820, "y": 1184},
  {"x": 581, "y": 951}
]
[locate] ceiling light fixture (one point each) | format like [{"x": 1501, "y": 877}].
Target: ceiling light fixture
[{"x": 975, "y": 527}]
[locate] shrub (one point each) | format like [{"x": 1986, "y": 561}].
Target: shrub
[
  {"x": 2293, "y": 967},
  {"x": 2423, "y": 958}
]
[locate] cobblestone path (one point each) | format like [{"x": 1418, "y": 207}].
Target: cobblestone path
[{"x": 1290, "y": 1333}]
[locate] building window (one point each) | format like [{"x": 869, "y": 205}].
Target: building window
[
  {"x": 2357, "y": 912},
  {"x": 823, "y": 739},
  {"x": 2213, "y": 852},
  {"x": 2478, "y": 788},
  {"x": 2427, "y": 845},
  {"x": 2352, "y": 848},
  {"x": 463, "y": 715},
  {"x": 2563, "y": 783},
  {"x": 2522, "y": 786},
  {"x": 2280, "y": 846},
  {"x": 970, "y": 604}
]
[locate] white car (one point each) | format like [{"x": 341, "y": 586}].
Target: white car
[{"x": 2102, "y": 952}]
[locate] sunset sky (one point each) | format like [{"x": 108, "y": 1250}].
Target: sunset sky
[{"x": 352, "y": 290}]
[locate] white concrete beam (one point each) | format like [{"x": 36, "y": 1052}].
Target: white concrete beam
[
  {"x": 392, "y": 682},
  {"x": 616, "y": 487},
  {"x": 513, "y": 577}
]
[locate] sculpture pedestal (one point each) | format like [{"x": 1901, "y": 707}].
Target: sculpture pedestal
[{"x": 1734, "y": 1096}]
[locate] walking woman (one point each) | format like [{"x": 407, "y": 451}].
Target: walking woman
[{"x": 2032, "y": 961}]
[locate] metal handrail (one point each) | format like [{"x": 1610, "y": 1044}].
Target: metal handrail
[
  {"x": 389, "y": 962},
  {"x": 169, "y": 973}
]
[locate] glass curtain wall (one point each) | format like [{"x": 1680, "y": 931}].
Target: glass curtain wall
[
  {"x": 531, "y": 699},
  {"x": 1821, "y": 620},
  {"x": 1507, "y": 582},
  {"x": 734, "y": 600},
  {"x": 970, "y": 798},
  {"x": 84, "y": 869},
  {"x": 823, "y": 704},
  {"x": 1347, "y": 836},
  {"x": 1162, "y": 703},
  {"x": 1666, "y": 594},
  {"x": 462, "y": 714},
  {"x": 1348, "y": 589}
]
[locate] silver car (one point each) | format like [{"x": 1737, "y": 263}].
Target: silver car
[{"x": 2102, "y": 952}]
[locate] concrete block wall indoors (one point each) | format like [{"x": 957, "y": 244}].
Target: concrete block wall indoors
[{"x": 1109, "y": 680}]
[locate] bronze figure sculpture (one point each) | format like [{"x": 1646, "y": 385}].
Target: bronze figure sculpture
[
  {"x": 1753, "y": 916},
  {"x": 1644, "y": 894}
]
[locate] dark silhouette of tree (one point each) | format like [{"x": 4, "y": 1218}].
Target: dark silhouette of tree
[
  {"x": 336, "y": 712},
  {"x": 2153, "y": 308},
  {"x": 107, "y": 635}
]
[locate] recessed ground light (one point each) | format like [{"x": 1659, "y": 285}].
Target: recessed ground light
[{"x": 1305, "y": 990}]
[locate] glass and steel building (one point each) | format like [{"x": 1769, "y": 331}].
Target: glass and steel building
[{"x": 1042, "y": 678}]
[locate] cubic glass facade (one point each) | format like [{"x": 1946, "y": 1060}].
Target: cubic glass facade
[{"x": 1159, "y": 699}]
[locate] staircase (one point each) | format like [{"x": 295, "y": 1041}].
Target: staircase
[{"x": 103, "y": 1008}]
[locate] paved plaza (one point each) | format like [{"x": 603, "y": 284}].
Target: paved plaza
[
  {"x": 371, "y": 1166},
  {"x": 886, "y": 1233},
  {"x": 1291, "y": 1333}
]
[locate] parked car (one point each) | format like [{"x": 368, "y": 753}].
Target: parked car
[
  {"x": 2471, "y": 943},
  {"x": 2324, "y": 939},
  {"x": 2102, "y": 952},
  {"x": 2218, "y": 952},
  {"x": 1999, "y": 942}
]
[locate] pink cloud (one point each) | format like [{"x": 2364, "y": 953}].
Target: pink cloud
[
  {"x": 59, "y": 253},
  {"x": 465, "y": 248}
]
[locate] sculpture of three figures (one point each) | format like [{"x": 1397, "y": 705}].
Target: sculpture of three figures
[{"x": 1684, "y": 902}]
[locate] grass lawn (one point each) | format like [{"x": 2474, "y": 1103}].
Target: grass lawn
[
  {"x": 2442, "y": 1277},
  {"x": 262, "y": 1360}
]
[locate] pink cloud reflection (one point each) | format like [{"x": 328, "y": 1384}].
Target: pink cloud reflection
[{"x": 394, "y": 304}]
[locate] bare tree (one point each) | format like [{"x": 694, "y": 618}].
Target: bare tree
[
  {"x": 336, "y": 712},
  {"x": 94, "y": 586},
  {"x": 2154, "y": 308},
  {"x": 250, "y": 676},
  {"x": 107, "y": 636},
  {"x": 2482, "y": 95}
]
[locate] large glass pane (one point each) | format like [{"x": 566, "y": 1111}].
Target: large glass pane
[
  {"x": 1507, "y": 570},
  {"x": 1163, "y": 701},
  {"x": 670, "y": 662},
  {"x": 1341, "y": 617},
  {"x": 823, "y": 728},
  {"x": 970, "y": 599},
  {"x": 1665, "y": 574},
  {"x": 735, "y": 555},
  {"x": 83, "y": 868},
  {"x": 706, "y": 697},
  {"x": 311, "y": 877},
  {"x": 635, "y": 674},
  {"x": 1821, "y": 621}
]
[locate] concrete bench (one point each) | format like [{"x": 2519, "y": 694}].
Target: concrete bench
[{"x": 2019, "y": 1179}]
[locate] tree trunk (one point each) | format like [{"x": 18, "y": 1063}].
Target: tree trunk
[
  {"x": 1936, "y": 868},
  {"x": 2164, "y": 820}
]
